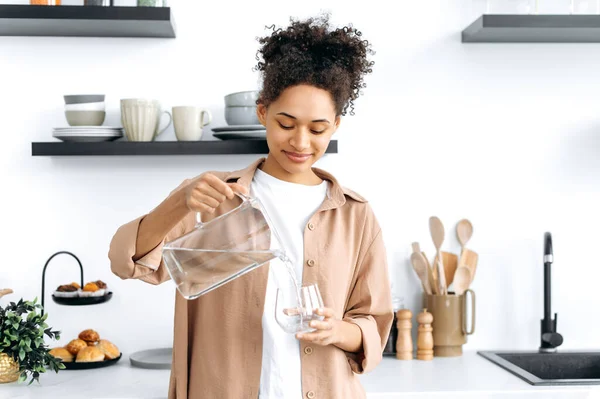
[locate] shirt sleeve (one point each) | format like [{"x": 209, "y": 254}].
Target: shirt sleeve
[
  {"x": 370, "y": 307},
  {"x": 149, "y": 268}
]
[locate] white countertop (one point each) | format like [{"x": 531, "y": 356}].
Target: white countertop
[{"x": 468, "y": 376}]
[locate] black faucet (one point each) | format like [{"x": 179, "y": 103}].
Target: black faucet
[{"x": 550, "y": 338}]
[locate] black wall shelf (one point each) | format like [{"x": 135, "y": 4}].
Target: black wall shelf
[
  {"x": 533, "y": 29},
  {"x": 208, "y": 147},
  {"x": 90, "y": 21}
]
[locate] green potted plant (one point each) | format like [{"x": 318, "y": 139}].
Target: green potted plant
[{"x": 23, "y": 353}]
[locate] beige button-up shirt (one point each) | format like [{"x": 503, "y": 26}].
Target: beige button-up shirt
[{"x": 217, "y": 345}]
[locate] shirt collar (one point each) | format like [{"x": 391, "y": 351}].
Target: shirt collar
[{"x": 336, "y": 194}]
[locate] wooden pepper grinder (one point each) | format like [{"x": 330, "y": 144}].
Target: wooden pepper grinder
[
  {"x": 425, "y": 336},
  {"x": 404, "y": 345}
]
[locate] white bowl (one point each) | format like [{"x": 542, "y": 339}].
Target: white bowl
[
  {"x": 241, "y": 116},
  {"x": 242, "y": 99},
  {"x": 85, "y": 118},
  {"x": 85, "y": 107}
]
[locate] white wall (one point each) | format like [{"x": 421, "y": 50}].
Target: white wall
[{"x": 506, "y": 135}]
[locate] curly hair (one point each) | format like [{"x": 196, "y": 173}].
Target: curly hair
[{"x": 309, "y": 52}]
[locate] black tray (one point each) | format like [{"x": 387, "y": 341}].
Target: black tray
[
  {"x": 90, "y": 365},
  {"x": 78, "y": 301}
]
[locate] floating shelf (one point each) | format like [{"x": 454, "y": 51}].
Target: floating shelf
[
  {"x": 91, "y": 21},
  {"x": 208, "y": 147},
  {"x": 533, "y": 29}
]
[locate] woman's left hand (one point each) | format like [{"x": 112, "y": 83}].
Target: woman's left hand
[{"x": 327, "y": 331}]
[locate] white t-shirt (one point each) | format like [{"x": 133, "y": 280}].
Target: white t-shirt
[{"x": 289, "y": 206}]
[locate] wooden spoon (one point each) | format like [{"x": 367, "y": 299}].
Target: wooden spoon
[
  {"x": 420, "y": 266},
  {"x": 462, "y": 280},
  {"x": 464, "y": 232},
  {"x": 436, "y": 228},
  {"x": 5, "y": 291}
]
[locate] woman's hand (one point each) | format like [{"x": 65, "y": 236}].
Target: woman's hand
[
  {"x": 330, "y": 331},
  {"x": 327, "y": 331},
  {"x": 205, "y": 193}
]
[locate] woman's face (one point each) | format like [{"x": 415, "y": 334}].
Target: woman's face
[{"x": 299, "y": 127}]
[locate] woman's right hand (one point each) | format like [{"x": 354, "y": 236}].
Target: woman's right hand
[{"x": 205, "y": 193}]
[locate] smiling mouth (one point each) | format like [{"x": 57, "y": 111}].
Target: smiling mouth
[{"x": 297, "y": 157}]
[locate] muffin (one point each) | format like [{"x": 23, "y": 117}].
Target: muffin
[
  {"x": 63, "y": 354},
  {"x": 66, "y": 291},
  {"x": 76, "y": 345}
]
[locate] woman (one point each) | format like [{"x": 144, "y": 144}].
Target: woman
[{"x": 227, "y": 343}]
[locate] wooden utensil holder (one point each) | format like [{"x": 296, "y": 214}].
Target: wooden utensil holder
[{"x": 450, "y": 322}]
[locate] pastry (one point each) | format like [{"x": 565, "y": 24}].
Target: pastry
[
  {"x": 88, "y": 289},
  {"x": 90, "y": 354},
  {"x": 75, "y": 346},
  {"x": 61, "y": 353},
  {"x": 101, "y": 284},
  {"x": 89, "y": 336},
  {"x": 74, "y": 284},
  {"x": 110, "y": 350},
  {"x": 66, "y": 291}
]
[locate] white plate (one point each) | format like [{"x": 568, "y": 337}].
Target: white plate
[
  {"x": 87, "y": 133},
  {"x": 160, "y": 358},
  {"x": 256, "y": 135},
  {"x": 237, "y": 128},
  {"x": 87, "y": 139},
  {"x": 76, "y": 128}
]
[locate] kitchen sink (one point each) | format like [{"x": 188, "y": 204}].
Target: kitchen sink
[{"x": 558, "y": 368}]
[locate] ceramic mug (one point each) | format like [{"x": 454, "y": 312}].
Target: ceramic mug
[
  {"x": 189, "y": 121},
  {"x": 141, "y": 119},
  {"x": 450, "y": 322}
]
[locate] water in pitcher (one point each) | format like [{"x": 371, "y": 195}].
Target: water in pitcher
[{"x": 198, "y": 271}]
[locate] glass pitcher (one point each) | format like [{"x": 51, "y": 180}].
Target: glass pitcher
[{"x": 222, "y": 249}]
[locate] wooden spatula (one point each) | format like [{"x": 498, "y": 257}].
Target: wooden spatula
[
  {"x": 469, "y": 259},
  {"x": 450, "y": 264},
  {"x": 420, "y": 266},
  {"x": 5, "y": 291},
  {"x": 436, "y": 228}
]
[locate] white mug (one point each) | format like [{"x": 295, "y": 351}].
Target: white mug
[
  {"x": 189, "y": 121},
  {"x": 141, "y": 119}
]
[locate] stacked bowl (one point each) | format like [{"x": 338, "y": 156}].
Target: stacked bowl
[
  {"x": 241, "y": 118},
  {"x": 85, "y": 114},
  {"x": 85, "y": 109},
  {"x": 240, "y": 108}
]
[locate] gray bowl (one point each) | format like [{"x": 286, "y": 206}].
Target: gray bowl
[
  {"x": 241, "y": 116},
  {"x": 83, "y": 98},
  {"x": 242, "y": 99},
  {"x": 85, "y": 118}
]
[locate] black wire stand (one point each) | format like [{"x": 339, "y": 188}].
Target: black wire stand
[{"x": 75, "y": 301}]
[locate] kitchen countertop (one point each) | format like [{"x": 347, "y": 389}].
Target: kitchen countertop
[{"x": 468, "y": 376}]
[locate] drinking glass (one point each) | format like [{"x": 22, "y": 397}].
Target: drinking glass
[{"x": 295, "y": 310}]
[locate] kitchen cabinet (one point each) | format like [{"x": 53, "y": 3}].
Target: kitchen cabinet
[{"x": 469, "y": 376}]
